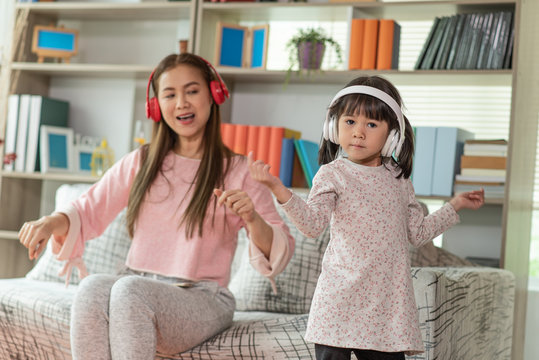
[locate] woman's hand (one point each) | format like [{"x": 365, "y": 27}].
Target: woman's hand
[
  {"x": 34, "y": 235},
  {"x": 260, "y": 172},
  {"x": 238, "y": 201},
  {"x": 468, "y": 200}
]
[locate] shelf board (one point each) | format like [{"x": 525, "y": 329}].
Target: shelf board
[
  {"x": 68, "y": 177},
  {"x": 331, "y": 11},
  {"x": 9, "y": 235},
  {"x": 84, "y": 70},
  {"x": 425, "y": 77},
  {"x": 111, "y": 11}
]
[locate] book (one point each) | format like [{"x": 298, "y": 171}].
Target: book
[
  {"x": 495, "y": 35},
  {"x": 480, "y": 178},
  {"x": 387, "y": 56},
  {"x": 287, "y": 161},
  {"x": 240, "y": 139},
  {"x": 483, "y": 172},
  {"x": 509, "y": 52},
  {"x": 357, "y": 33},
  {"x": 505, "y": 31},
  {"x": 457, "y": 36},
  {"x": 483, "y": 162},
  {"x": 277, "y": 134},
  {"x": 447, "y": 153},
  {"x": 483, "y": 48},
  {"x": 463, "y": 50},
  {"x": 443, "y": 53},
  {"x": 486, "y": 148},
  {"x": 241, "y": 46},
  {"x": 11, "y": 128},
  {"x": 475, "y": 42},
  {"x": 423, "y": 164},
  {"x": 308, "y": 156},
  {"x": 370, "y": 45},
  {"x": 262, "y": 149},
  {"x": 427, "y": 43},
  {"x": 430, "y": 55},
  {"x": 227, "y": 134},
  {"x": 252, "y": 140},
  {"x": 43, "y": 111},
  {"x": 22, "y": 131},
  {"x": 298, "y": 176}
]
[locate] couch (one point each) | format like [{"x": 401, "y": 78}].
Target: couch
[{"x": 466, "y": 312}]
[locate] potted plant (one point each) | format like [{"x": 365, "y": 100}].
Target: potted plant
[{"x": 306, "y": 49}]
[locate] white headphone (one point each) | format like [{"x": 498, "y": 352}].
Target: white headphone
[{"x": 394, "y": 139}]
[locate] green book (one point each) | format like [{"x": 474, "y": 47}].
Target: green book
[
  {"x": 308, "y": 157},
  {"x": 43, "y": 111}
]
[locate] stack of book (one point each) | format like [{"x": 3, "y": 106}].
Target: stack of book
[
  {"x": 469, "y": 41},
  {"x": 374, "y": 44},
  {"x": 483, "y": 165},
  {"x": 292, "y": 159}
]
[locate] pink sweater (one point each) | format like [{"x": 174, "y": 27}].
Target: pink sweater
[{"x": 159, "y": 244}]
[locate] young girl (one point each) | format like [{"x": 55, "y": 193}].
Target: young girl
[
  {"x": 364, "y": 300},
  {"x": 173, "y": 294}
]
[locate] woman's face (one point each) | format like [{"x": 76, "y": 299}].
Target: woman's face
[{"x": 185, "y": 102}]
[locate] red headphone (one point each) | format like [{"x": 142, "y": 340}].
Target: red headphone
[{"x": 218, "y": 89}]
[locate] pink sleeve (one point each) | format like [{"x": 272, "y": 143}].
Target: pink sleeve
[
  {"x": 93, "y": 211},
  {"x": 282, "y": 247}
]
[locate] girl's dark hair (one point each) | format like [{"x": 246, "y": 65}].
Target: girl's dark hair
[
  {"x": 373, "y": 108},
  {"x": 213, "y": 167}
]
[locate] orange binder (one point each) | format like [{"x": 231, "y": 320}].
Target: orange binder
[
  {"x": 262, "y": 149},
  {"x": 388, "y": 45},
  {"x": 252, "y": 140},
  {"x": 370, "y": 44},
  {"x": 240, "y": 139},
  {"x": 228, "y": 133},
  {"x": 275, "y": 147},
  {"x": 357, "y": 34}
]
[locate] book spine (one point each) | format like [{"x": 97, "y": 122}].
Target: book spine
[
  {"x": 370, "y": 44},
  {"x": 227, "y": 133},
  {"x": 22, "y": 132},
  {"x": 11, "y": 129},
  {"x": 240, "y": 139},
  {"x": 275, "y": 148},
  {"x": 252, "y": 140},
  {"x": 287, "y": 162},
  {"x": 357, "y": 34},
  {"x": 424, "y": 160},
  {"x": 427, "y": 43},
  {"x": 386, "y": 37},
  {"x": 262, "y": 149},
  {"x": 483, "y": 162}
]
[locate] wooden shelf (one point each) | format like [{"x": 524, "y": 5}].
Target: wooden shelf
[
  {"x": 331, "y": 11},
  {"x": 85, "y": 70},
  {"x": 111, "y": 11},
  {"x": 68, "y": 177}
]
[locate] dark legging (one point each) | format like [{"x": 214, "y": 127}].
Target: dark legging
[{"x": 324, "y": 352}]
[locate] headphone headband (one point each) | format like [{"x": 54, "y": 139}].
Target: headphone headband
[{"x": 379, "y": 94}]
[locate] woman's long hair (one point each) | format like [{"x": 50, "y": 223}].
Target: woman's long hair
[
  {"x": 372, "y": 108},
  {"x": 214, "y": 165}
]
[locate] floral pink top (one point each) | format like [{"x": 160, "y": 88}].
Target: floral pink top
[{"x": 364, "y": 298}]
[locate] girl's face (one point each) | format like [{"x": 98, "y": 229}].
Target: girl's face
[
  {"x": 363, "y": 138},
  {"x": 185, "y": 102}
]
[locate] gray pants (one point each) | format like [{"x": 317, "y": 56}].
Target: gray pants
[{"x": 133, "y": 316}]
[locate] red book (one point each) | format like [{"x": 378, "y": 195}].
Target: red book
[
  {"x": 370, "y": 44},
  {"x": 252, "y": 140},
  {"x": 357, "y": 34},
  {"x": 262, "y": 150},
  {"x": 228, "y": 133},
  {"x": 240, "y": 139}
]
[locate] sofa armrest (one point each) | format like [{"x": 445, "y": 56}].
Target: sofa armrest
[{"x": 465, "y": 313}]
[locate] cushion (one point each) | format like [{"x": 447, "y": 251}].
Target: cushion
[
  {"x": 295, "y": 285},
  {"x": 104, "y": 254}
]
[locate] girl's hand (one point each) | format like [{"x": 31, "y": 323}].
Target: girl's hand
[
  {"x": 468, "y": 200},
  {"x": 34, "y": 235},
  {"x": 260, "y": 172},
  {"x": 238, "y": 201}
]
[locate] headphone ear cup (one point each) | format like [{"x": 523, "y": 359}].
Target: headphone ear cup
[
  {"x": 217, "y": 92},
  {"x": 332, "y": 130},
  {"x": 391, "y": 143},
  {"x": 152, "y": 109}
]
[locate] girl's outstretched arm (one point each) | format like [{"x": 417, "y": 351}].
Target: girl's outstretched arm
[
  {"x": 468, "y": 200},
  {"x": 260, "y": 172}
]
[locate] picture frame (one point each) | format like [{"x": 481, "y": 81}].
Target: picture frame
[
  {"x": 241, "y": 46},
  {"x": 82, "y": 158},
  {"x": 55, "y": 42},
  {"x": 230, "y": 45},
  {"x": 56, "y": 149}
]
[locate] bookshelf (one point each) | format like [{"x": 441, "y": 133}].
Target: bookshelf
[{"x": 301, "y": 105}]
